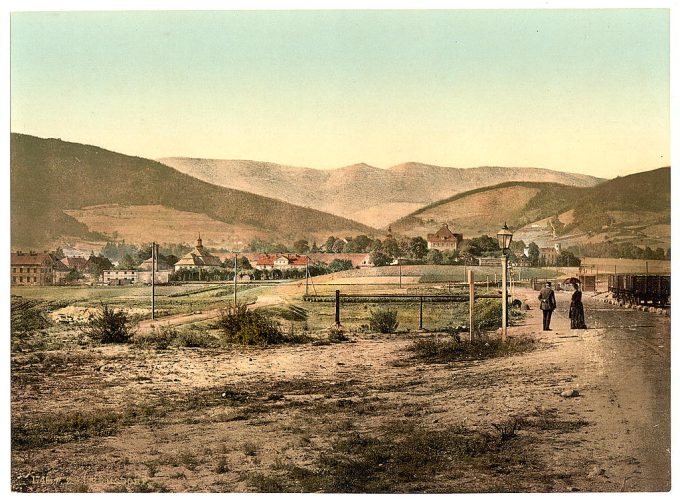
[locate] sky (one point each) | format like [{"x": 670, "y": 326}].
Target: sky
[{"x": 584, "y": 91}]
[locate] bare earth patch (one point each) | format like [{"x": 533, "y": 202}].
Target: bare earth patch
[{"x": 364, "y": 415}]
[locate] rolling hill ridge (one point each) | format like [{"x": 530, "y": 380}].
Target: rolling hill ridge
[
  {"x": 53, "y": 180},
  {"x": 633, "y": 208},
  {"x": 361, "y": 192}
]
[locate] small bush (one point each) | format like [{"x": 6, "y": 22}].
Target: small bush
[
  {"x": 488, "y": 314},
  {"x": 193, "y": 339},
  {"x": 384, "y": 321},
  {"x": 158, "y": 339},
  {"x": 337, "y": 335},
  {"x": 109, "y": 326},
  {"x": 243, "y": 326}
]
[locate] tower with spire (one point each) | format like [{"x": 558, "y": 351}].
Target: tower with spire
[{"x": 199, "y": 243}]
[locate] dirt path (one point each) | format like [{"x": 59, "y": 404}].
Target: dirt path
[{"x": 272, "y": 297}]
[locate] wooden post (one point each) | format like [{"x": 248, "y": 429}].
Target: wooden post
[
  {"x": 504, "y": 265},
  {"x": 399, "y": 273},
  {"x": 471, "y": 282},
  {"x": 420, "y": 318},
  {"x": 153, "y": 281},
  {"x": 307, "y": 277},
  {"x": 337, "y": 308}
]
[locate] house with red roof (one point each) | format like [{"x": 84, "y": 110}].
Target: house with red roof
[{"x": 444, "y": 239}]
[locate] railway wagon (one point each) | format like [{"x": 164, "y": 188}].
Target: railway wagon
[{"x": 641, "y": 288}]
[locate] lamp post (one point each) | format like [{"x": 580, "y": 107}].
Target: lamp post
[{"x": 504, "y": 239}]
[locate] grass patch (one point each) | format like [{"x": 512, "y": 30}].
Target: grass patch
[
  {"x": 452, "y": 349},
  {"x": 401, "y": 458}
]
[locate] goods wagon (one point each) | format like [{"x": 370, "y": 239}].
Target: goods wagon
[{"x": 641, "y": 289}]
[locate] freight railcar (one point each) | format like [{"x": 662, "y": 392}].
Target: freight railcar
[{"x": 641, "y": 289}]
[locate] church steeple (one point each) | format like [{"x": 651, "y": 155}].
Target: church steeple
[{"x": 199, "y": 243}]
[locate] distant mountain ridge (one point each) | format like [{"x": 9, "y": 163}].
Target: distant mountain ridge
[
  {"x": 361, "y": 192},
  {"x": 50, "y": 177}
]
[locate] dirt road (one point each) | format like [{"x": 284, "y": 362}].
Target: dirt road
[{"x": 622, "y": 367}]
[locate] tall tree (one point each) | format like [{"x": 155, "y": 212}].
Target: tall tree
[{"x": 301, "y": 246}]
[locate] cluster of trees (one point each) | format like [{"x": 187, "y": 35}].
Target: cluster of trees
[
  {"x": 621, "y": 250},
  {"x": 130, "y": 256},
  {"x": 245, "y": 269}
]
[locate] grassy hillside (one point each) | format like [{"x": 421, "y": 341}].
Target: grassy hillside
[
  {"x": 634, "y": 207},
  {"x": 479, "y": 211},
  {"x": 49, "y": 176}
]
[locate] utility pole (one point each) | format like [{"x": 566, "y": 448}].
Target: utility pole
[
  {"x": 235, "y": 270},
  {"x": 471, "y": 284},
  {"x": 307, "y": 276},
  {"x": 153, "y": 281},
  {"x": 399, "y": 273}
]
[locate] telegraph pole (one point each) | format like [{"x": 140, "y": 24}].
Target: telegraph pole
[
  {"x": 235, "y": 269},
  {"x": 153, "y": 281},
  {"x": 307, "y": 277}
]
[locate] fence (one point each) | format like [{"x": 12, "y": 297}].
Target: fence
[{"x": 421, "y": 299}]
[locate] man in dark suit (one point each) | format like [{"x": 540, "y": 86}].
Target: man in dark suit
[{"x": 548, "y": 304}]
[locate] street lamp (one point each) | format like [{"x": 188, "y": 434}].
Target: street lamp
[{"x": 504, "y": 239}]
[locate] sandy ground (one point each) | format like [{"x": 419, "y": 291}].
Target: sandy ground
[{"x": 253, "y": 419}]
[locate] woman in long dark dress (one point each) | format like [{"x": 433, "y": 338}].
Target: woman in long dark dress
[{"x": 576, "y": 314}]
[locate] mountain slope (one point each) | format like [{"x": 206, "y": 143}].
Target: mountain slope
[
  {"x": 361, "y": 192},
  {"x": 49, "y": 176},
  {"x": 630, "y": 208}
]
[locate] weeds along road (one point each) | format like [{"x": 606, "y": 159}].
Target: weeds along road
[{"x": 622, "y": 364}]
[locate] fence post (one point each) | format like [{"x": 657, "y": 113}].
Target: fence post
[
  {"x": 471, "y": 282},
  {"x": 337, "y": 308},
  {"x": 420, "y": 318}
]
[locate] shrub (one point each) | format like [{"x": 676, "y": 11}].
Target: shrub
[
  {"x": 158, "y": 339},
  {"x": 27, "y": 315},
  {"x": 337, "y": 335},
  {"x": 384, "y": 321},
  {"x": 243, "y": 326},
  {"x": 193, "y": 339},
  {"x": 488, "y": 314},
  {"x": 109, "y": 326}
]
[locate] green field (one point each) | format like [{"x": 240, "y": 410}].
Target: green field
[
  {"x": 170, "y": 299},
  {"x": 355, "y": 317}
]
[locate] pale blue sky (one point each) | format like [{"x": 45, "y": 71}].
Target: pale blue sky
[{"x": 583, "y": 91}]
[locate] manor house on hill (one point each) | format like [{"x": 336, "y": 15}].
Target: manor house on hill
[
  {"x": 444, "y": 239},
  {"x": 198, "y": 259}
]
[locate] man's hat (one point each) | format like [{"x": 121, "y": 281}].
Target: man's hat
[{"x": 548, "y": 283}]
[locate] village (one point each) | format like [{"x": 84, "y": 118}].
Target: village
[
  {"x": 366, "y": 250},
  {"x": 441, "y": 247}
]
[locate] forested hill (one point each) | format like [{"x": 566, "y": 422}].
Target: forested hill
[{"x": 49, "y": 176}]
